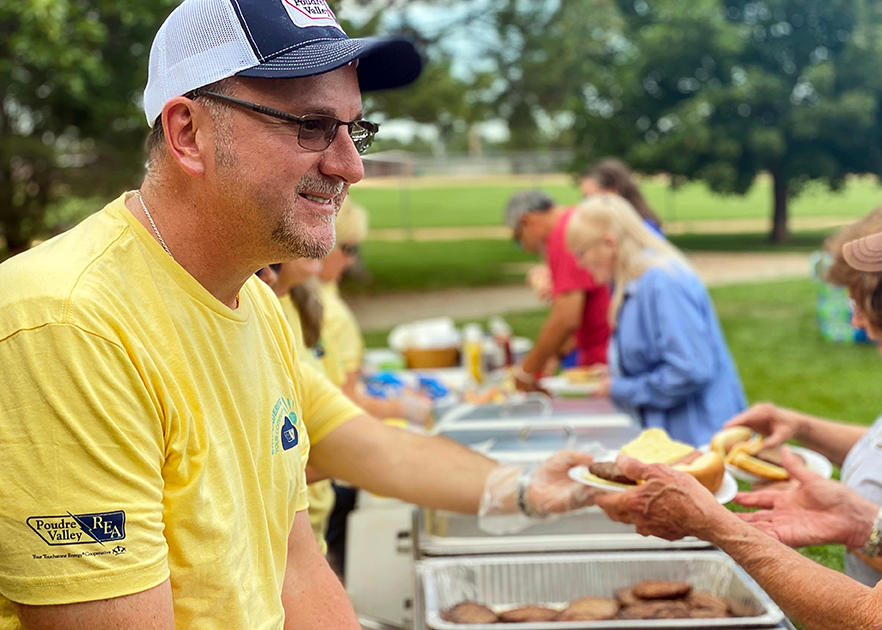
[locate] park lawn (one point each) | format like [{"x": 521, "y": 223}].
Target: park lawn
[
  {"x": 422, "y": 265},
  {"x": 462, "y": 203},
  {"x": 775, "y": 341}
]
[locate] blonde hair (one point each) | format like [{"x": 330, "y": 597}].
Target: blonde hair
[
  {"x": 307, "y": 299},
  {"x": 352, "y": 222},
  {"x": 639, "y": 248}
]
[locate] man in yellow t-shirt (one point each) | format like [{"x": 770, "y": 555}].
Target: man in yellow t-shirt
[{"x": 153, "y": 409}]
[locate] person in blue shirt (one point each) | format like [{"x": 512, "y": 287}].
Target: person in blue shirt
[{"x": 669, "y": 362}]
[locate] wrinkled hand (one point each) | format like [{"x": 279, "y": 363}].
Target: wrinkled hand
[
  {"x": 553, "y": 491},
  {"x": 777, "y": 423},
  {"x": 812, "y": 511},
  {"x": 669, "y": 504}
]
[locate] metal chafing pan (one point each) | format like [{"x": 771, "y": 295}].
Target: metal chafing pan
[
  {"x": 439, "y": 533},
  {"x": 503, "y": 582}
]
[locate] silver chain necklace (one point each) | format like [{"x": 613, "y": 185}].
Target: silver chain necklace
[{"x": 153, "y": 225}]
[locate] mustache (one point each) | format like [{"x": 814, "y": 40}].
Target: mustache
[{"x": 319, "y": 184}]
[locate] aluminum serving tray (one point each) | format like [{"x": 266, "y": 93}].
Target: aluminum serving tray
[
  {"x": 503, "y": 582},
  {"x": 439, "y": 533}
]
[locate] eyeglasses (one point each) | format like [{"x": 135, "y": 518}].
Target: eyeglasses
[
  {"x": 349, "y": 250},
  {"x": 315, "y": 132}
]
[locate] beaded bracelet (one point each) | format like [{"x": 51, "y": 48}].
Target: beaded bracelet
[{"x": 873, "y": 546}]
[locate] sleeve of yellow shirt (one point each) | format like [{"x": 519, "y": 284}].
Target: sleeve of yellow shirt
[
  {"x": 341, "y": 329},
  {"x": 83, "y": 513},
  {"x": 325, "y": 407}
]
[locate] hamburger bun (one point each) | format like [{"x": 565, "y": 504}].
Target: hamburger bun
[
  {"x": 709, "y": 469},
  {"x": 654, "y": 446},
  {"x": 722, "y": 442},
  {"x": 758, "y": 467},
  {"x": 585, "y": 374},
  {"x": 740, "y": 448}
]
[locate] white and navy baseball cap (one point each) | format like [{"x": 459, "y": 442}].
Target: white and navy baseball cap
[{"x": 204, "y": 41}]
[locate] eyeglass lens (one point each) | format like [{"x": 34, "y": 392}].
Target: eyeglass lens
[{"x": 318, "y": 132}]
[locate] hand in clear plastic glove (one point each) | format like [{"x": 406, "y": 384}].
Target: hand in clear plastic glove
[
  {"x": 416, "y": 408},
  {"x": 814, "y": 511},
  {"x": 515, "y": 497}
]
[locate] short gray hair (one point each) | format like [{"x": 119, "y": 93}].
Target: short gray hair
[{"x": 523, "y": 202}]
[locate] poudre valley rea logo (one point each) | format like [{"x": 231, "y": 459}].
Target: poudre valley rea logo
[
  {"x": 285, "y": 433},
  {"x": 79, "y": 529},
  {"x": 306, "y": 13}
]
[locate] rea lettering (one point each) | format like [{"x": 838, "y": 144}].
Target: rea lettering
[{"x": 72, "y": 529}]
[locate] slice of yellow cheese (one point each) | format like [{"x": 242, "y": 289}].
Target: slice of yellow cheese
[{"x": 654, "y": 446}]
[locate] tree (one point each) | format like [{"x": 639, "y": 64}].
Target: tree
[
  {"x": 721, "y": 90},
  {"x": 71, "y": 76}
]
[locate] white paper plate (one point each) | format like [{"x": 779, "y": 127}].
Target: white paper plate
[
  {"x": 561, "y": 386},
  {"x": 815, "y": 462},
  {"x": 725, "y": 493}
]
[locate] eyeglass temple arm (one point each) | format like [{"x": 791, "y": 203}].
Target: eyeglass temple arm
[{"x": 262, "y": 109}]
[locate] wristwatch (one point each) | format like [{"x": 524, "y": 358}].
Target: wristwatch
[{"x": 873, "y": 546}]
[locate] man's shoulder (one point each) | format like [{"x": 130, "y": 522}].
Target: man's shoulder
[{"x": 40, "y": 284}]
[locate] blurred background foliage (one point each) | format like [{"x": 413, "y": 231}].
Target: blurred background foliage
[{"x": 711, "y": 90}]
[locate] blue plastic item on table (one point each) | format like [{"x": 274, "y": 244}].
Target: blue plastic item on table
[
  {"x": 384, "y": 385},
  {"x": 433, "y": 387}
]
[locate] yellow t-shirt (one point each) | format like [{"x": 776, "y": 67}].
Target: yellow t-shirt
[
  {"x": 341, "y": 329},
  {"x": 322, "y": 358},
  {"x": 148, "y": 430}
]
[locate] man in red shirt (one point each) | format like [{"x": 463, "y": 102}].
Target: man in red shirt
[{"x": 578, "y": 304}]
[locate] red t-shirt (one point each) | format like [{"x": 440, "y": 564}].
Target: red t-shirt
[{"x": 592, "y": 336}]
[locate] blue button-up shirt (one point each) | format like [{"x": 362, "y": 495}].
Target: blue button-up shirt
[{"x": 669, "y": 360}]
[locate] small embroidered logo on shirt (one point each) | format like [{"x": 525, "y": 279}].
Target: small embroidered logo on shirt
[
  {"x": 78, "y": 529},
  {"x": 284, "y": 426},
  {"x": 289, "y": 433}
]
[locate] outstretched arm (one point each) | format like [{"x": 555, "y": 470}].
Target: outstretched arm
[
  {"x": 833, "y": 440},
  {"x": 672, "y": 504},
  {"x": 436, "y": 472}
]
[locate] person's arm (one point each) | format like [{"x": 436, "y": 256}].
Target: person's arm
[
  {"x": 312, "y": 595},
  {"x": 671, "y": 504},
  {"x": 563, "y": 320},
  {"x": 679, "y": 331},
  {"x": 833, "y": 440},
  {"x": 438, "y": 473},
  {"x": 811, "y": 511},
  {"x": 147, "y": 610},
  {"x": 408, "y": 406},
  {"x": 430, "y": 471}
]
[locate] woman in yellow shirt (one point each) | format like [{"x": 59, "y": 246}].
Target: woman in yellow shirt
[
  {"x": 342, "y": 330},
  {"x": 297, "y": 288}
]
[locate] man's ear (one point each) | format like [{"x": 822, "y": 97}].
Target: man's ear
[{"x": 185, "y": 124}]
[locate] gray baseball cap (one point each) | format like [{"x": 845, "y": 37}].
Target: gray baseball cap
[{"x": 523, "y": 202}]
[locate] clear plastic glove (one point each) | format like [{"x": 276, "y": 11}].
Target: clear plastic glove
[
  {"x": 516, "y": 497},
  {"x": 416, "y": 408}
]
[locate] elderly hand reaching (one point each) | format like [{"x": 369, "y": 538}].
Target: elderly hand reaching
[
  {"x": 812, "y": 511},
  {"x": 669, "y": 504}
]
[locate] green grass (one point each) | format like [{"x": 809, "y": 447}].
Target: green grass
[
  {"x": 423, "y": 265},
  {"x": 413, "y": 265},
  {"x": 426, "y": 203}
]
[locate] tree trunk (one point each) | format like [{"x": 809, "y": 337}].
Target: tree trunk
[{"x": 780, "y": 233}]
